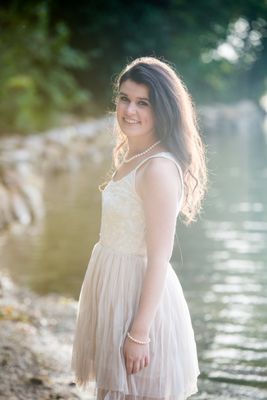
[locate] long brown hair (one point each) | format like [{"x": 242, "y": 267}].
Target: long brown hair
[{"x": 175, "y": 125}]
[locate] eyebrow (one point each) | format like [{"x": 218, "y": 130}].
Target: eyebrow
[{"x": 140, "y": 98}]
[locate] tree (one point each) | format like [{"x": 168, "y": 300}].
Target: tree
[
  {"x": 36, "y": 82},
  {"x": 105, "y": 34}
]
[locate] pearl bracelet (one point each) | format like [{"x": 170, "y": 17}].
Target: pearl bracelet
[{"x": 137, "y": 341}]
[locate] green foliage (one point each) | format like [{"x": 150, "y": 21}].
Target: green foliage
[
  {"x": 110, "y": 33},
  {"x": 36, "y": 79},
  {"x": 42, "y": 62},
  {"x": 113, "y": 32}
]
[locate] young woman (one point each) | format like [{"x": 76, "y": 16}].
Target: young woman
[{"x": 134, "y": 338}]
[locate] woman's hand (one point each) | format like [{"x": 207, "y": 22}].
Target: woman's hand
[{"x": 136, "y": 356}]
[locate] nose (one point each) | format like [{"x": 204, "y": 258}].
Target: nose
[{"x": 131, "y": 109}]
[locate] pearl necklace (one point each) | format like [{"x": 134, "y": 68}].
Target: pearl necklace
[{"x": 140, "y": 154}]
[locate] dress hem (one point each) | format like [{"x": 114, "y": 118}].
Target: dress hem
[{"x": 93, "y": 389}]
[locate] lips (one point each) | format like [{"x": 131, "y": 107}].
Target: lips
[{"x": 130, "y": 121}]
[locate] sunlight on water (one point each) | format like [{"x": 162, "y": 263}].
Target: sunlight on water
[{"x": 229, "y": 295}]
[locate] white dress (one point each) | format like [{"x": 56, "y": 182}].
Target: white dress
[{"x": 108, "y": 302}]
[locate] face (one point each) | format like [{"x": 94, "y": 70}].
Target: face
[{"x": 134, "y": 111}]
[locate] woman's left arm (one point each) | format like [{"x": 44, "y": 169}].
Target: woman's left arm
[{"x": 160, "y": 192}]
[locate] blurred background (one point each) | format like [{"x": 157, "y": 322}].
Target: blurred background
[{"x": 58, "y": 64}]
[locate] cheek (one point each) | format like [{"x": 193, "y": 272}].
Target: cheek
[
  {"x": 150, "y": 118},
  {"x": 120, "y": 109}
]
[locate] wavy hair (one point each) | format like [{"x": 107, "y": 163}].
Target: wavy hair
[{"x": 175, "y": 125}]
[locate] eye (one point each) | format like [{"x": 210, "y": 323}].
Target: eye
[
  {"x": 143, "y": 103},
  {"x": 123, "y": 98}
]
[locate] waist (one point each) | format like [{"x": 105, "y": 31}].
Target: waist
[{"x": 114, "y": 249}]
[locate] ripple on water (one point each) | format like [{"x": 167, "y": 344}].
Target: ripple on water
[
  {"x": 240, "y": 265},
  {"x": 260, "y": 226},
  {"x": 241, "y": 342}
]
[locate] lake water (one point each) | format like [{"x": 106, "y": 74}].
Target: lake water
[{"x": 221, "y": 260}]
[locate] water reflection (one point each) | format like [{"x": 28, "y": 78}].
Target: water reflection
[
  {"x": 221, "y": 261},
  {"x": 225, "y": 276}
]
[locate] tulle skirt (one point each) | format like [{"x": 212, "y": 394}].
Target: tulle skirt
[{"x": 107, "y": 305}]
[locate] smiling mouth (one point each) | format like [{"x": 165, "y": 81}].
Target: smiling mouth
[{"x": 130, "y": 121}]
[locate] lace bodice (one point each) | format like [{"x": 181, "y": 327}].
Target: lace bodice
[{"x": 122, "y": 221}]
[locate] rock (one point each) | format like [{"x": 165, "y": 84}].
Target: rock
[
  {"x": 36, "y": 381},
  {"x": 19, "y": 208},
  {"x": 5, "y": 208},
  {"x": 35, "y": 357}
]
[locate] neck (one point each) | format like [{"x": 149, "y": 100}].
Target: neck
[{"x": 137, "y": 145}]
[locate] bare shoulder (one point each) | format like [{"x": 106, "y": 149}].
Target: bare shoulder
[{"x": 158, "y": 175}]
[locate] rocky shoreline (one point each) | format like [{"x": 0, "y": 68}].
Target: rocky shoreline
[
  {"x": 35, "y": 345},
  {"x": 37, "y": 331},
  {"x": 26, "y": 162}
]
